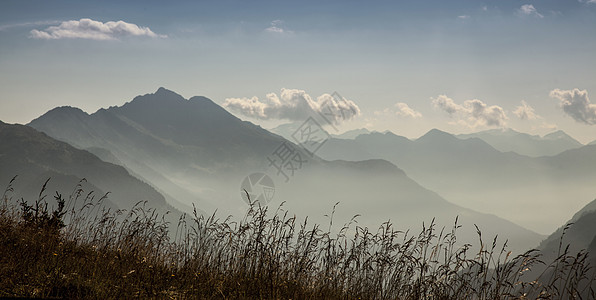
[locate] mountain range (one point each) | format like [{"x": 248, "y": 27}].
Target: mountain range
[
  {"x": 286, "y": 130},
  {"x": 538, "y": 193},
  {"x": 194, "y": 151},
  {"x": 183, "y": 147},
  {"x": 522, "y": 143}
]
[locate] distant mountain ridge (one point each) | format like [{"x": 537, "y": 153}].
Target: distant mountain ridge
[
  {"x": 473, "y": 174},
  {"x": 351, "y": 134},
  {"x": 196, "y": 152},
  {"x": 286, "y": 130},
  {"x": 526, "y": 144}
]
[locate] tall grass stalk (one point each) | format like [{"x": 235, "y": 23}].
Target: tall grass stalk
[{"x": 77, "y": 248}]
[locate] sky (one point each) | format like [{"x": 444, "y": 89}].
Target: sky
[{"x": 406, "y": 66}]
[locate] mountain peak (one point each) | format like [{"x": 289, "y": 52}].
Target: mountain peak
[
  {"x": 62, "y": 112},
  {"x": 561, "y": 135},
  {"x": 68, "y": 109},
  {"x": 434, "y": 134},
  {"x": 167, "y": 95},
  {"x": 557, "y": 135},
  {"x": 162, "y": 95},
  {"x": 164, "y": 92}
]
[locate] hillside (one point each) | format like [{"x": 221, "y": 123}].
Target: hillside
[
  {"x": 34, "y": 157},
  {"x": 580, "y": 235}
]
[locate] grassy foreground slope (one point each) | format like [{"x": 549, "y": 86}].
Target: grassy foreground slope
[{"x": 63, "y": 252}]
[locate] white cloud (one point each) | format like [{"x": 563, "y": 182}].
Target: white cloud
[
  {"x": 277, "y": 27},
  {"x": 401, "y": 109},
  {"x": 94, "y": 30},
  {"x": 529, "y": 10},
  {"x": 472, "y": 113},
  {"x": 463, "y": 17},
  {"x": 525, "y": 112},
  {"x": 251, "y": 107},
  {"x": 404, "y": 110},
  {"x": 294, "y": 105},
  {"x": 588, "y": 1},
  {"x": 576, "y": 104},
  {"x": 447, "y": 104}
]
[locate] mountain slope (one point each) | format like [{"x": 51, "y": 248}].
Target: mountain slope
[
  {"x": 205, "y": 153},
  {"x": 33, "y": 157},
  {"x": 579, "y": 235},
  {"x": 525, "y": 144}
]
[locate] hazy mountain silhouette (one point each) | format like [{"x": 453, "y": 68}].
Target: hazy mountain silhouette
[
  {"x": 286, "y": 130},
  {"x": 176, "y": 144},
  {"x": 34, "y": 157},
  {"x": 581, "y": 234},
  {"x": 526, "y": 144},
  {"x": 378, "y": 188},
  {"x": 471, "y": 173},
  {"x": 351, "y": 134},
  {"x": 196, "y": 152},
  {"x": 576, "y": 235}
]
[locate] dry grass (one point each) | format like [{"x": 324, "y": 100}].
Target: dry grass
[{"x": 91, "y": 252}]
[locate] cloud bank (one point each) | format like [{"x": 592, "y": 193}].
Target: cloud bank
[
  {"x": 472, "y": 113},
  {"x": 93, "y": 30},
  {"x": 294, "y": 105},
  {"x": 576, "y": 104},
  {"x": 525, "y": 112}
]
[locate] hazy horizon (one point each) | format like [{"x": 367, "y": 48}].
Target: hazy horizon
[
  {"x": 191, "y": 150},
  {"x": 461, "y": 66}
]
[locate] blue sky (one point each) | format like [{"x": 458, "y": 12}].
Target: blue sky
[{"x": 408, "y": 66}]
